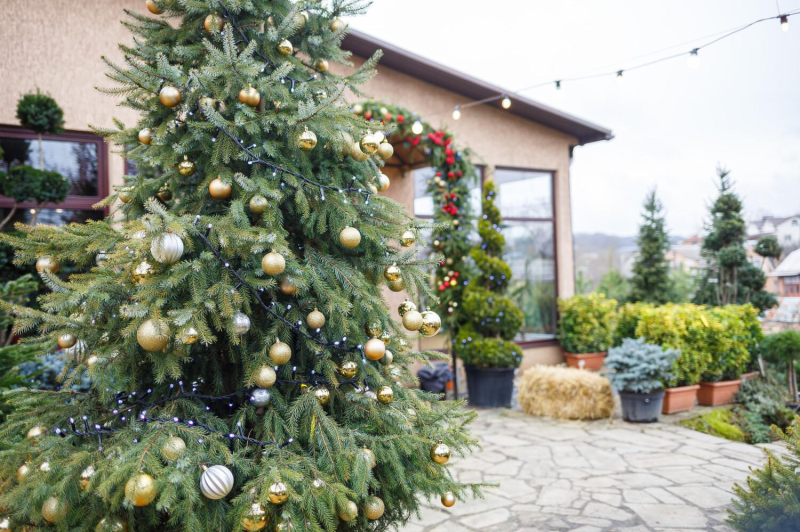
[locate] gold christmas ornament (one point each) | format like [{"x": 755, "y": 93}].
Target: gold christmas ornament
[
  {"x": 368, "y": 456},
  {"x": 53, "y": 510},
  {"x": 169, "y": 96},
  {"x": 207, "y": 103},
  {"x": 111, "y": 524},
  {"x": 300, "y": 19},
  {"x": 173, "y": 448},
  {"x": 385, "y": 395},
  {"x": 86, "y": 477},
  {"x": 278, "y": 494},
  {"x": 284, "y": 526},
  {"x": 323, "y": 395},
  {"x": 348, "y": 369},
  {"x": 285, "y": 47},
  {"x": 315, "y": 319},
  {"x": 164, "y": 193},
  {"x": 337, "y": 25},
  {"x": 280, "y": 353},
  {"x": 440, "y": 453},
  {"x": 167, "y": 248},
  {"x": 188, "y": 336},
  {"x": 258, "y": 204},
  {"x": 153, "y": 7},
  {"x": 265, "y": 377},
  {"x": 142, "y": 271},
  {"x": 321, "y": 65},
  {"x": 358, "y": 109},
  {"x": 23, "y": 472},
  {"x": 256, "y": 518},
  {"x": 431, "y": 323},
  {"x": 153, "y": 335},
  {"x": 369, "y": 143},
  {"x": 448, "y": 499},
  {"x": 186, "y": 167},
  {"x": 277, "y": 105},
  {"x": 412, "y": 320},
  {"x": 287, "y": 288},
  {"x": 388, "y": 358},
  {"x": 146, "y": 136},
  {"x": 374, "y": 349},
  {"x": 65, "y": 341},
  {"x": 35, "y": 432},
  {"x": 216, "y": 482},
  {"x": 140, "y": 490},
  {"x": 374, "y": 508},
  {"x": 349, "y": 512},
  {"x": 357, "y": 154},
  {"x": 392, "y": 273},
  {"x": 44, "y": 467},
  {"x": 383, "y": 182},
  {"x": 307, "y": 140},
  {"x": 47, "y": 263},
  {"x": 219, "y": 189},
  {"x": 241, "y": 323},
  {"x": 396, "y": 286},
  {"x": 373, "y": 329},
  {"x": 349, "y": 237},
  {"x": 250, "y": 96},
  {"x": 407, "y": 239},
  {"x": 386, "y": 337},
  {"x": 126, "y": 194},
  {"x": 371, "y": 187},
  {"x": 380, "y": 136},
  {"x": 406, "y": 306},
  {"x": 214, "y": 23},
  {"x": 385, "y": 150},
  {"x": 273, "y": 263}
]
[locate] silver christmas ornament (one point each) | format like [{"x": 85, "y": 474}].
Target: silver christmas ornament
[
  {"x": 167, "y": 248},
  {"x": 241, "y": 323},
  {"x": 216, "y": 482},
  {"x": 260, "y": 397}
]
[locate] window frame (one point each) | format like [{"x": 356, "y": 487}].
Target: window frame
[{"x": 81, "y": 203}]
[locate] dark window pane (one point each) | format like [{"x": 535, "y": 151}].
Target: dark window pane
[
  {"x": 524, "y": 194},
  {"x": 51, "y": 216}
]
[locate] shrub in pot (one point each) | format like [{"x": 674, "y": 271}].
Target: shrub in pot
[
  {"x": 586, "y": 329},
  {"x": 485, "y": 343},
  {"x": 627, "y": 319},
  {"x": 784, "y": 348},
  {"x": 638, "y": 372}
]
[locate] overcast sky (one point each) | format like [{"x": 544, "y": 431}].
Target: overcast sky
[{"x": 672, "y": 124}]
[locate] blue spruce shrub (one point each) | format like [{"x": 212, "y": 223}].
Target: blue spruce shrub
[{"x": 640, "y": 367}]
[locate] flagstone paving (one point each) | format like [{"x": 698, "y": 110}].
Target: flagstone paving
[{"x": 593, "y": 477}]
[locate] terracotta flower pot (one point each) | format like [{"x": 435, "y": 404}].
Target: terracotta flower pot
[
  {"x": 717, "y": 393},
  {"x": 680, "y": 399},
  {"x": 751, "y": 375},
  {"x": 591, "y": 361}
]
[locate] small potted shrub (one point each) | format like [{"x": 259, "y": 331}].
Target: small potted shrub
[
  {"x": 586, "y": 329},
  {"x": 638, "y": 372}
]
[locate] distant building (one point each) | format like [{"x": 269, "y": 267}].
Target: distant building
[
  {"x": 787, "y": 275},
  {"x": 685, "y": 255},
  {"x": 786, "y": 278},
  {"x": 785, "y": 229}
]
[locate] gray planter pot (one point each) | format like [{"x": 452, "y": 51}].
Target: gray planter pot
[{"x": 641, "y": 407}]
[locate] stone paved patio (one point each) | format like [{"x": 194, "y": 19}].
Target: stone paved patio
[{"x": 593, "y": 477}]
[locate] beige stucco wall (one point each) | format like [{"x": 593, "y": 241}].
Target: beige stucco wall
[{"x": 58, "y": 49}]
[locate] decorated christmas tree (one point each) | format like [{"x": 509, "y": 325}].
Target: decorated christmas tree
[{"x": 245, "y": 370}]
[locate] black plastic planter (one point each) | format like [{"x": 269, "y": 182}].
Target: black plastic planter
[
  {"x": 641, "y": 407},
  {"x": 490, "y": 387}
]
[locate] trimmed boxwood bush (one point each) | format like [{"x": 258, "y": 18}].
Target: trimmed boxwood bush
[
  {"x": 741, "y": 332},
  {"x": 628, "y": 316},
  {"x": 587, "y": 323}
]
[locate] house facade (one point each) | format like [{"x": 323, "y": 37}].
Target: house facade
[
  {"x": 526, "y": 149},
  {"x": 785, "y": 229}
]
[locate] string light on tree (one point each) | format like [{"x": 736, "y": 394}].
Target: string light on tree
[
  {"x": 416, "y": 128},
  {"x": 505, "y": 103}
]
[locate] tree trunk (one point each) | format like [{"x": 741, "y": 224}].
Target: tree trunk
[
  {"x": 9, "y": 216},
  {"x": 35, "y": 215},
  {"x": 41, "y": 153},
  {"x": 791, "y": 378}
]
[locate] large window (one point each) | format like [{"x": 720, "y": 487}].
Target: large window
[{"x": 79, "y": 157}]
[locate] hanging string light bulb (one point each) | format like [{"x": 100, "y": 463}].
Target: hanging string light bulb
[
  {"x": 505, "y": 102},
  {"x": 416, "y": 127},
  {"x": 619, "y": 75},
  {"x": 784, "y": 23},
  {"x": 457, "y": 112},
  {"x": 558, "y": 84},
  {"x": 694, "y": 59}
]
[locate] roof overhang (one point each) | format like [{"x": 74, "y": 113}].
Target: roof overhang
[{"x": 364, "y": 46}]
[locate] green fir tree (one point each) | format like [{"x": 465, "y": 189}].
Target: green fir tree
[
  {"x": 221, "y": 314},
  {"x": 651, "y": 281}
]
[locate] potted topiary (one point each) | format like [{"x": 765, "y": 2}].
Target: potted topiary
[
  {"x": 485, "y": 343},
  {"x": 586, "y": 329},
  {"x": 638, "y": 372}
]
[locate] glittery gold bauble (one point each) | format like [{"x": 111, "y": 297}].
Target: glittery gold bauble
[
  {"x": 65, "y": 341},
  {"x": 35, "y": 432},
  {"x": 47, "y": 263},
  {"x": 321, "y": 65},
  {"x": 53, "y": 510},
  {"x": 396, "y": 286},
  {"x": 448, "y": 499},
  {"x": 431, "y": 323},
  {"x": 153, "y": 335},
  {"x": 371, "y": 187},
  {"x": 348, "y": 369},
  {"x": 207, "y": 104},
  {"x": 250, "y": 96},
  {"x": 315, "y": 319},
  {"x": 383, "y": 182},
  {"x": 407, "y": 239},
  {"x": 86, "y": 477},
  {"x": 164, "y": 193},
  {"x": 307, "y": 140},
  {"x": 126, "y": 194},
  {"x": 23, "y": 472},
  {"x": 300, "y": 19},
  {"x": 392, "y": 273},
  {"x": 412, "y": 320},
  {"x": 265, "y": 377},
  {"x": 186, "y": 167},
  {"x": 368, "y": 456},
  {"x": 349, "y": 512},
  {"x": 152, "y": 7},
  {"x": 188, "y": 336},
  {"x": 278, "y": 494},
  {"x": 374, "y": 508},
  {"x": 406, "y": 306},
  {"x": 337, "y": 25},
  {"x": 280, "y": 353},
  {"x": 173, "y": 448},
  {"x": 357, "y": 154},
  {"x": 323, "y": 395},
  {"x": 350, "y": 237},
  {"x": 285, "y": 47},
  {"x": 169, "y": 96},
  {"x": 385, "y": 395},
  {"x": 374, "y": 349},
  {"x": 111, "y": 524},
  {"x": 256, "y": 518},
  {"x": 440, "y": 453},
  {"x": 214, "y": 23},
  {"x": 373, "y": 329},
  {"x": 142, "y": 271},
  {"x": 388, "y": 358},
  {"x": 284, "y": 526},
  {"x": 369, "y": 144},
  {"x": 287, "y": 288},
  {"x": 258, "y": 204},
  {"x": 273, "y": 263},
  {"x": 146, "y": 135},
  {"x": 385, "y": 151},
  {"x": 219, "y": 189}
]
